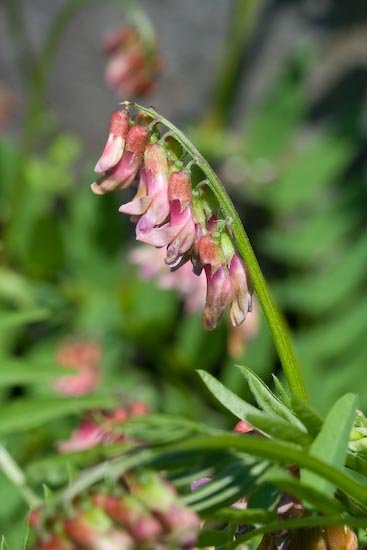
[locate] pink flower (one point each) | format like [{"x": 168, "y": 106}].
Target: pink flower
[
  {"x": 218, "y": 296},
  {"x": 179, "y": 234},
  {"x": 88, "y": 435},
  {"x": 84, "y": 357},
  {"x": 122, "y": 174},
  {"x": 151, "y": 201},
  {"x": 226, "y": 279},
  {"x": 101, "y": 429},
  {"x": 242, "y": 298},
  {"x": 132, "y": 64}
]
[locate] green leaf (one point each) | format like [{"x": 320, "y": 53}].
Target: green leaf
[
  {"x": 212, "y": 537},
  {"x": 282, "y": 393},
  {"x": 279, "y": 429},
  {"x": 247, "y": 516},
  {"x": 226, "y": 397},
  {"x": 23, "y": 414},
  {"x": 14, "y": 373},
  {"x": 332, "y": 442},
  {"x": 309, "y": 418},
  {"x": 267, "y": 400},
  {"x": 305, "y": 493},
  {"x": 15, "y": 319},
  {"x": 275, "y": 451}
]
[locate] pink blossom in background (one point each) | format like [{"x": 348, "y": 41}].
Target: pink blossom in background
[
  {"x": 84, "y": 357},
  {"x": 132, "y": 64},
  {"x": 100, "y": 428},
  {"x": 190, "y": 287}
]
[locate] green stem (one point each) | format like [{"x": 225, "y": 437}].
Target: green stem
[
  {"x": 276, "y": 322},
  {"x": 12, "y": 471},
  {"x": 37, "y": 91},
  {"x": 242, "y": 26}
]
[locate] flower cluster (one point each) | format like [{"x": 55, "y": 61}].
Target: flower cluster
[
  {"x": 143, "y": 512},
  {"x": 173, "y": 211},
  {"x": 102, "y": 428},
  {"x": 132, "y": 64},
  {"x": 84, "y": 357}
]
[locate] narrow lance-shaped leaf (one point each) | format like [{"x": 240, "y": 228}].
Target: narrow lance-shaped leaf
[
  {"x": 332, "y": 442},
  {"x": 226, "y": 397},
  {"x": 24, "y": 414},
  {"x": 307, "y": 415},
  {"x": 267, "y": 400}
]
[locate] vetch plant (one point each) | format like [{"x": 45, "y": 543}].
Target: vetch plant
[{"x": 181, "y": 205}]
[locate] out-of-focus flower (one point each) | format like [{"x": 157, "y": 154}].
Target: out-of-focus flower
[
  {"x": 132, "y": 64},
  {"x": 101, "y": 428},
  {"x": 190, "y": 287},
  {"x": 84, "y": 357},
  {"x": 144, "y": 511},
  {"x": 173, "y": 214}
]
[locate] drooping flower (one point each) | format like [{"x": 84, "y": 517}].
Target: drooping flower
[
  {"x": 226, "y": 280},
  {"x": 84, "y": 357},
  {"x": 181, "y": 217},
  {"x": 150, "y": 205},
  {"x": 132, "y": 63}
]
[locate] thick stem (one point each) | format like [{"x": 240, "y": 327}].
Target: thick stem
[
  {"x": 242, "y": 26},
  {"x": 276, "y": 322}
]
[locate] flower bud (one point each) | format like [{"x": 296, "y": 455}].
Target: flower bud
[
  {"x": 179, "y": 188},
  {"x": 123, "y": 174},
  {"x": 114, "y": 148}
]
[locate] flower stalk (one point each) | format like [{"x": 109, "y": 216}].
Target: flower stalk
[{"x": 275, "y": 320}]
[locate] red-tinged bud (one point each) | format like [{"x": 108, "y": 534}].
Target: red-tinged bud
[
  {"x": 137, "y": 408},
  {"x": 210, "y": 253},
  {"x": 132, "y": 65},
  {"x": 86, "y": 526},
  {"x": 243, "y": 427},
  {"x": 137, "y": 139},
  {"x": 124, "y": 173},
  {"x": 134, "y": 516},
  {"x": 114, "y": 148},
  {"x": 218, "y": 296},
  {"x": 179, "y": 188},
  {"x": 34, "y": 517},
  {"x": 56, "y": 542},
  {"x": 155, "y": 161}
]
